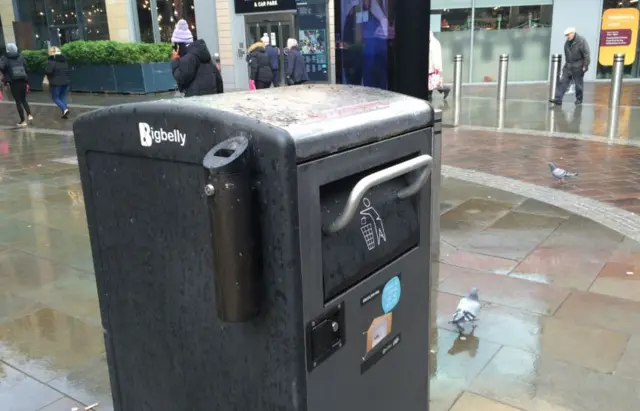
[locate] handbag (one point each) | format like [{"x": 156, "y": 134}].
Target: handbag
[{"x": 435, "y": 81}]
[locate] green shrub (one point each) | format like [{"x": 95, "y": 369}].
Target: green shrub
[
  {"x": 36, "y": 59},
  {"x": 113, "y": 52}
]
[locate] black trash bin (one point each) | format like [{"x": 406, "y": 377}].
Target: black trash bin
[{"x": 265, "y": 250}]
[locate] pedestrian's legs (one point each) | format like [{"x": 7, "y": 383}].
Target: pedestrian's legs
[
  {"x": 18, "y": 95},
  {"x": 24, "y": 100},
  {"x": 563, "y": 85},
  {"x": 444, "y": 90},
  {"x": 64, "y": 90},
  {"x": 276, "y": 78},
  {"x": 578, "y": 80},
  {"x": 56, "y": 92}
]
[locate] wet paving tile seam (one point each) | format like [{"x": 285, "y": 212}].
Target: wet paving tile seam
[
  {"x": 554, "y": 134},
  {"x": 38, "y": 130},
  {"x": 617, "y": 219}
]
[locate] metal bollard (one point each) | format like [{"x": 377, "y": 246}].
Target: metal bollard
[
  {"x": 616, "y": 80},
  {"x": 457, "y": 77},
  {"x": 503, "y": 70},
  {"x": 500, "y": 114},
  {"x": 554, "y": 75}
]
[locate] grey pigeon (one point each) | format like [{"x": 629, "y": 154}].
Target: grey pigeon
[
  {"x": 559, "y": 173},
  {"x": 467, "y": 311}
]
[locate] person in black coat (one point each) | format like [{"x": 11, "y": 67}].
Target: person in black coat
[
  {"x": 195, "y": 72},
  {"x": 295, "y": 67},
  {"x": 260, "y": 65},
  {"x": 14, "y": 69},
  {"x": 57, "y": 71}
]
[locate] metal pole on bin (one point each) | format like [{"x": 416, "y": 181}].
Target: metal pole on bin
[
  {"x": 616, "y": 80},
  {"x": 436, "y": 181},
  {"x": 554, "y": 75},
  {"x": 503, "y": 70},
  {"x": 457, "y": 77}
]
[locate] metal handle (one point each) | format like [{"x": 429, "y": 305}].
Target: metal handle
[{"x": 379, "y": 177}]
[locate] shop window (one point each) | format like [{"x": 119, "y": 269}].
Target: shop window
[
  {"x": 313, "y": 38},
  {"x": 451, "y": 25},
  {"x": 523, "y": 31}
]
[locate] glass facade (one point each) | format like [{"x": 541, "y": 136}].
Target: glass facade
[
  {"x": 482, "y": 30},
  {"x": 630, "y": 70},
  {"x": 56, "y": 22}
]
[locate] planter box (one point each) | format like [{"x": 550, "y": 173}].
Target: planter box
[
  {"x": 129, "y": 78},
  {"x": 35, "y": 81}
]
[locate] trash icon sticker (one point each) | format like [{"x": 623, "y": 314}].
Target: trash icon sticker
[
  {"x": 371, "y": 226},
  {"x": 391, "y": 294}
]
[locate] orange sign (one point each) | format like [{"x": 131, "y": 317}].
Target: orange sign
[{"x": 618, "y": 34}]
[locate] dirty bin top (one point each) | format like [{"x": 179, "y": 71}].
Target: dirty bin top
[{"x": 314, "y": 114}]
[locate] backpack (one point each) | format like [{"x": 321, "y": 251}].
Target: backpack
[{"x": 18, "y": 71}]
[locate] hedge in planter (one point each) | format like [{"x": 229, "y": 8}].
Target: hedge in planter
[
  {"x": 109, "y": 66},
  {"x": 36, "y": 61}
]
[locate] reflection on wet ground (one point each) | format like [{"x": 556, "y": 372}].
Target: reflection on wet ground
[
  {"x": 561, "y": 312},
  {"x": 527, "y": 109}
]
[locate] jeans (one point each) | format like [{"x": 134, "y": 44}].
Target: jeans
[
  {"x": 569, "y": 74},
  {"x": 59, "y": 96},
  {"x": 19, "y": 93}
]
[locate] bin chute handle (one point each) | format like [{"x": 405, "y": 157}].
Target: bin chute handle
[{"x": 379, "y": 177}]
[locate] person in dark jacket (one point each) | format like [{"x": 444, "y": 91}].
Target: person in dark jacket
[
  {"x": 14, "y": 69},
  {"x": 57, "y": 71},
  {"x": 273, "y": 54},
  {"x": 295, "y": 67},
  {"x": 577, "y": 60},
  {"x": 259, "y": 65},
  {"x": 193, "y": 68}
]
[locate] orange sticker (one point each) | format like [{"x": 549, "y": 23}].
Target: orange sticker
[
  {"x": 618, "y": 34},
  {"x": 380, "y": 327}
]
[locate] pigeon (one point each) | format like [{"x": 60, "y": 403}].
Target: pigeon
[
  {"x": 467, "y": 311},
  {"x": 559, "y": 173}
]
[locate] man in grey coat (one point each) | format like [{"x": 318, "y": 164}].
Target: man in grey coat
[{"x": 577, "y": 60}]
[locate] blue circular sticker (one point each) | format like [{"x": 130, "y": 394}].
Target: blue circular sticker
[{"x": 391, "y": 294}]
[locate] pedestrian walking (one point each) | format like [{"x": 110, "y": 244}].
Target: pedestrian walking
[
  {"x": 260, "y": 70},
  {"x": 274, "y": 54},
  {"x": 57, "y": 71},
  {"x": 436, "y": 77},
  {"x": 14, "y": 70},
  {"x": 193, "y": 68},
  {"x": 295, "y": 68},
  {"x": 577, "y": 60}
]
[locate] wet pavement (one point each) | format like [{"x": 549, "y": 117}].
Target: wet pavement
[
  {"x": 607, "y": 173},
  {"x": 560, "y": 293},
  {"x": 528, "y": 111}
]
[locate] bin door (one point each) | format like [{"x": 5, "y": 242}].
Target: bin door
[{"x": 366, "y": 278}]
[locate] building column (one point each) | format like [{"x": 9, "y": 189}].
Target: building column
[
  {"x": 207, "y": 23},
  {"x": 119, "y": 19},
  {"x": 8, "y": 16},
  {"x": 231, "y": 38}
]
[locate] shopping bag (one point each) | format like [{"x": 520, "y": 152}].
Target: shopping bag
[
  {"x": 28, "y": 88},
  {"x": 435, "y": 81},
  {"x": 252, "y": 85}
]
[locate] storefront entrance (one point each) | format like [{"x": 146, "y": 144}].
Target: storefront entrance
[{"x": 279, "y": 28}]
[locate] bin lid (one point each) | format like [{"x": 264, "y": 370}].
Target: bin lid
[{"x": 323, "y": 118}]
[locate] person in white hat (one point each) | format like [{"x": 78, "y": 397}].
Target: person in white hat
[{"x": 577, "y": 59}]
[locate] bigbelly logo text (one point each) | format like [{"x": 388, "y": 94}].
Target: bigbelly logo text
[{"x": 149, "y": 135}]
